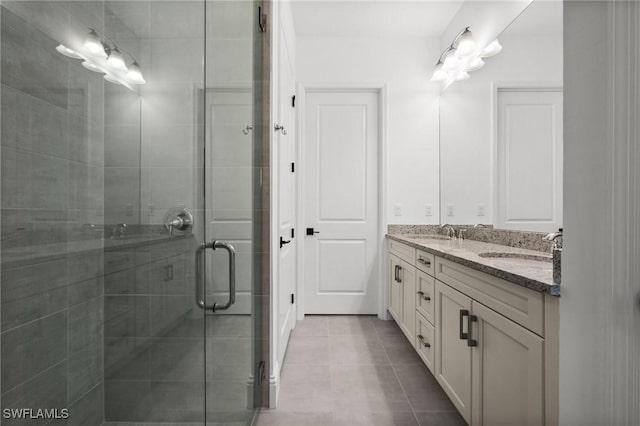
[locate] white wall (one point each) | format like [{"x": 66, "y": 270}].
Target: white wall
[
  {"x": 405, "y": 66},
  {"x": 466, "y": 121},
  {"x": 599, "y": 308}
]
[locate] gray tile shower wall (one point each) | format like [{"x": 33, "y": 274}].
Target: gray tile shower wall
[
  {"x": 51, "y": 170},
  {"x": 154, "y": 333}
]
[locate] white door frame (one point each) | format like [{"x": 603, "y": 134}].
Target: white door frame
[
  {"x": 381, "y": 90},
  {"x": 494, "y": 87}
]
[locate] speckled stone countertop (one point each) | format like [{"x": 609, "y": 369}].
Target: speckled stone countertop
[{"x": 530, "y": 269}]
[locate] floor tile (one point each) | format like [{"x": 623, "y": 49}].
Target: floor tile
[
  {"x": 312, "y": 325},
  {"x": 308, "y": 350},
  {"x": 440, "y": 418},
  {"x": 401, "y": 418},
  {"x": 356, "y": 349},
  {"x": 351, "y": 324},
  {"x": 280, "y": 418}
]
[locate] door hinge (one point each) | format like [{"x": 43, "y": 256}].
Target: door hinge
[
  {"x": 293, "y": 101},
  {"x": 293, "y": 232},
  {"x": 293, "y": 167},
  {"x": 293, "y": 298},
  {"x": 260, "y": 373},
  {"x": 262, "y": 20}
]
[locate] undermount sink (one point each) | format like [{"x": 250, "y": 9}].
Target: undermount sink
[{"x": 522, "y": 256}]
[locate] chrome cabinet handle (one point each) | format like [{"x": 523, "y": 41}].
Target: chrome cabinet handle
[
  {"x": 426, "y": 262},
  {"x": 425, "y": 344},
  {"x": 200, "y": 283}
]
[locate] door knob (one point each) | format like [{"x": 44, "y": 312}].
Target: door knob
[
  {"x": 311, "y": 231},
  {"x": 283, "y": 242}
]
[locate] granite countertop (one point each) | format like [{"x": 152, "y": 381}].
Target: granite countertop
[{"x": 534, "y": 270}]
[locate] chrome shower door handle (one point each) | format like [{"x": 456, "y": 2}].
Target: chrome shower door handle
[
  {"x": 232, "y": 274},
  {"x": 200, "y": 282}
]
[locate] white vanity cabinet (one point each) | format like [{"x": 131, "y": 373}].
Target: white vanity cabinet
[
  {"x": 492, "y": 345},
  {"x": 402, "y": 288}
]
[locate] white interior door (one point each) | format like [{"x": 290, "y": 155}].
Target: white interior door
[
  {"x": 229, "y": 192},
  {"x": 341, "y": 202},
  {"x": 529, "y": 157},
  {"x": 286, "y": 200}
]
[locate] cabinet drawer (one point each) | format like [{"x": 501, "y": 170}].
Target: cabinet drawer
[
  {"x": 519, "y": 304},
  {"x": 425, "y": 339},
  {"x": 403, "y": 251},
  {"x": 425, "y": 262},
  {"x": 425, "y": 299}
]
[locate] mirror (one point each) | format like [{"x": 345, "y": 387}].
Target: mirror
[{"x": 501, "y": 131}]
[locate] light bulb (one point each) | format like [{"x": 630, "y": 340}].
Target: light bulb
[
  {"x": 475, "y": 64},
  {"x": 93, "y": 43},
  {"x": 438, "y": 73},
  {"x": 135, "y": 74},
  {"x": 450, "y": 62},
  {"x": 465, "y": 44},
  {"x": 70, "y": 53},
  {"x": 492, "y": 49},
  {"x": 111, "y": 79},
  {"x": 91, "y": 66},
  {"x": 116, "y": 60}
]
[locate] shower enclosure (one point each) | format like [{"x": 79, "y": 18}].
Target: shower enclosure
[{"x": 131, "y": 212}]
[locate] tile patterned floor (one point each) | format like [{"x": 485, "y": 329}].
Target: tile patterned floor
[{"x": 356, "y": 370}]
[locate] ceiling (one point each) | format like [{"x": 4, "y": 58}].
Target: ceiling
[
  {"x": 373, "y": 18},
  {"x": 540, "y": 18}
]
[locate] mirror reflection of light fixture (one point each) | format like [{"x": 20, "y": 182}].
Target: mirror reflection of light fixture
[
  {"x": 93, "y": 42},
  {"x": 115, "y": 59},
  {"x": 69, "y": 53},
  {"x": 461, "y": 58},
  {"x": 101, "y": 54},
  {"x": 135, "y": 74},
  {"x": 91, "y": 66}
]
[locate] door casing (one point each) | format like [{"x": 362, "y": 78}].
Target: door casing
[{"x": 381, "y": 90}]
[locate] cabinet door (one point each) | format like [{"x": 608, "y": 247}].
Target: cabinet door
[
  {"x": 395, "y": 289},
  {"x": 507, "y": 372},
  {"x": 408, "y": 310},
  {"x": 425, "y": 338},
  {"x": 453, "y": 356}
]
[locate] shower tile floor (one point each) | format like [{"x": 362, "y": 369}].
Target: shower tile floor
[{"x": 356, "y": 370}]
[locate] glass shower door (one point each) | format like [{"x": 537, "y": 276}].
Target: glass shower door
[{"x": 129, "y": 191}]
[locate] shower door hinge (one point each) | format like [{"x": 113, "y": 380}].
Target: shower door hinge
[
  {"x": 262, "y": 20},
  {"x": 260, "y": 373}
]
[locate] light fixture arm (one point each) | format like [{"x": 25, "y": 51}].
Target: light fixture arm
[
  {"x": 452, "y": 47},
  {"x": 113, "y": 45}
]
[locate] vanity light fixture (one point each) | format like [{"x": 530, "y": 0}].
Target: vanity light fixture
[
  {"x": 101, "y": 54},
  {"x": 461, "y": 58}
]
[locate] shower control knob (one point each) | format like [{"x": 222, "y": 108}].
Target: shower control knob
[{"x": 178, "y": 218}]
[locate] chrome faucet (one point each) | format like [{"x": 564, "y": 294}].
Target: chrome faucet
[
  {"x": 450, "y": 232},
  {"x": 118, "y": 230},
  {"x": 553, "y": 237}
]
